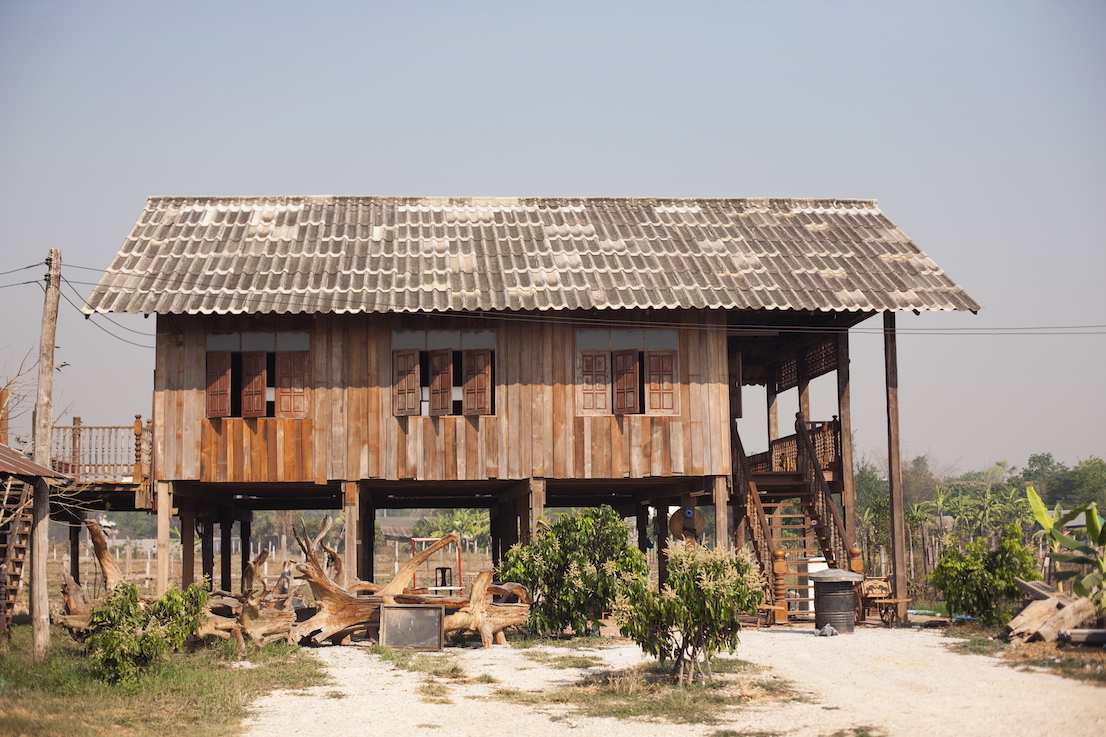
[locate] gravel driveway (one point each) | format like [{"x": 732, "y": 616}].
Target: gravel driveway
[{"x": 896, "y": 682}]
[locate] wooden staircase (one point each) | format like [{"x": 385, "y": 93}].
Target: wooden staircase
[
  {"x": 15, "y": 540},
  {"x": 791, "y": 518}
]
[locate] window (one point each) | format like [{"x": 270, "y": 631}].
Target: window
[
  {"x": 258, "y": 374},
  {"x": 627, "y": 372},
  {"x": 443, "y": 372}
]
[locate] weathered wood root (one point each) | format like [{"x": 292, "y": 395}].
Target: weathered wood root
[{"x": 486, "y": 618}]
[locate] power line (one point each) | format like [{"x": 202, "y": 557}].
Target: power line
[
  {"x": 98, "y": 325},
  {"x": 100, "y": 314},
  {"x": 22, "y": 268},
  {"x": 19, "y": 283}
]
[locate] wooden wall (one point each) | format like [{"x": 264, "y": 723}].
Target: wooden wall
[{"x": 352, "y": 434}]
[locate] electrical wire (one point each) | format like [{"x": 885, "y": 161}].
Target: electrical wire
[
  {"x": 22, "y": 268},
  {"x": 100, "y": 314},
  {"x": 98, "y": 325},
  {"x": 19, "y": 283}
]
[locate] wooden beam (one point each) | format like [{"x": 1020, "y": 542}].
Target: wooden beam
[
  {"x": 642, "y": 518},
  {"x": 188, "y": 547},
  {"x": 76, "y": 525},
  {"x": 366, "y": 565},
  {"x": 226, "y": 547},
  {"x": 537, "y": 504},
  {"x": 351, "y": 507},
  {"x": 164, "y": 502},
  {"x": 721, "y": 512},
  {"x": 773, "y": 412},
  {"x": 804, "y": 398},
  {"x": 244, "y": 543},
  {"x": 844, "y": 414},
  {"x": 207, "y": 546},
  {"x": 894, "y": 464}
]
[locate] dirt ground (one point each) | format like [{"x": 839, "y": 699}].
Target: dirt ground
[{"x": 875, "y": 681}]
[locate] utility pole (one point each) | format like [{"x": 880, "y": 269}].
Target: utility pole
[{"x": 44, "y": 414}]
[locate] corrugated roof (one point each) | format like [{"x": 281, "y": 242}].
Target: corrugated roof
[
  {"x": 14, "y": 463},
  {"x": 424, "y": 254}
]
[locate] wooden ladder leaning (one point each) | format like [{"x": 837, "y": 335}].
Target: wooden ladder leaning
[{"x": 15, "y": 541}]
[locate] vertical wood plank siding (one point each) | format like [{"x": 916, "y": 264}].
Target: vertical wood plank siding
[{"x": 351, "y": 433}]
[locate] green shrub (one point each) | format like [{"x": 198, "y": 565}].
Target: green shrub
[
  {"x": 572, "y": 568},
  {"x": 695, "y": 615},
  {"x": 980, "y": 582},
  {"x": 129, "y": 634}
]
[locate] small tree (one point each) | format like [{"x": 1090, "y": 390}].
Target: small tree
[
  {"x": 1087, "y": 547},
  {"x": 695, "y": 615},
  {"x": 572, "y": 569},
  {"x": 980, "y": 582}
]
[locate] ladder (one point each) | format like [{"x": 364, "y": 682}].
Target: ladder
[{"x": 15, "y": 539}]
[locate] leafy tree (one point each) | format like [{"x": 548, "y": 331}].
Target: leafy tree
[
  {"x": 695, "y": 615},
  {"x": 473, "y": 525},
  {"x": 572, "y": 568},
  {"x": 129, "y": 635},
  {"x": 1087, "y": 548},
  {"x": 980, "y": 581}
]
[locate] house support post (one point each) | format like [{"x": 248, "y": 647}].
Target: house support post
[
  {"x": 894, "y": 463},
  {"x": 495, "y": 528},
  {"x": 188, "y": 546},
  {"x": 367, "y": 521},
  {"x": 244, "y": 534},
  {"x": 164, "y": 501},
  {"x": 721, "y": 492},
  {"x": 779, "y": 585},
  {"x": 536, "y": 506},
  {"x": 642, "y": 519},
  {"x": 75, "y": 544},
  {"x": 773, "y": 416},
  {"x": 845, "y": 427},
  {"x": 226, "y": 549},
  {"x": 661, "y": 522},
  {"x": 207, "y": 545},
  {"x": 351, "y": 507}
]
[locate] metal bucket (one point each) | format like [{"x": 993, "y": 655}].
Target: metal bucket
[{"x": 834, "y": 601}]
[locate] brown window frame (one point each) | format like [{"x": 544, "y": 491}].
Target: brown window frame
[
  {"x": 293, "y": 384},
  {"x": 593, "y": 383},
  {"x": 477, "y": 382},
  {"x": 625, "y": 383},
  {"x": 250, "y": 392},
  {"x": 218, "y": 384},
  {"x": 654, "y": 379},
  {"x": 441, "y": 382},
  {"x": 406, "y": 383}
]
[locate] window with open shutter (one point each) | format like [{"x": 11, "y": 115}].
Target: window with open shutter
[
  {"x": 253, "y": 384},
  {"x": 660, "y": 382},
  {"x": 292, "y": 384},
  {"x": 218, "y": 383},
  {"x": 441, "y": 382},
  {"x": 476, "y": 397},
  {"x": 406, "y": 394},
  {"x": 593, "y": 372},
  {"x": 626, "y": 385}
]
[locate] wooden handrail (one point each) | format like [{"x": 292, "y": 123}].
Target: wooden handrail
[
  {"x": 101, "y": 453},
  {"x": 840, "y": 544},
  {"x": 754, "y": 510}
]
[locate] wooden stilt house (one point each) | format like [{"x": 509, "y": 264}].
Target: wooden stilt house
[{"x": 362, "y": 353}]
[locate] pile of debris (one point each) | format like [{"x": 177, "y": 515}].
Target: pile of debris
[
  {"x": 341, "y": 607},
  {"x": 1052, "y": 615}
]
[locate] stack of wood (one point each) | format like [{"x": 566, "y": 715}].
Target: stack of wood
[
  {"x": 1049, "y": 612},
  {"x": 342, "y": 608}
]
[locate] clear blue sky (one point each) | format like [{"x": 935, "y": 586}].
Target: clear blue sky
[{"x": 979, "y": 126}]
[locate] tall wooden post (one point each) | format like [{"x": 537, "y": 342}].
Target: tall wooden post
[
  {"x": 44, "y": 415},
  {"x": 495, "y": 525},
  {"x": 642, "y": 520},
  {"x": 226, "y": 549},
  {"x": 804, "y": 397},
  {"x": 188, "y": 547},
  {"x": 244, "y": 533},
  {"x": 4, "y": 396},
  {"x": 721, "y": 493},
  {"x": 164, "y": 502},
  {"x": 844, "y": 412},
  {"x": 207, "y": 546},
  {"x": 75, "y": 545},
  {"x": 894, "y": 463},
  {"x": 773, "y": 413},
  {"x": 351, "y": 507},
  {"x": 536, "y": 505}
]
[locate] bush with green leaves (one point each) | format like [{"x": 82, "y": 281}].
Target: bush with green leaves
[
  {"x": 979, "y": 582},
  {"x": 129, "y": 634},
  {"x": 571, "y": 570},
  {"x": 695, "y": 614}
]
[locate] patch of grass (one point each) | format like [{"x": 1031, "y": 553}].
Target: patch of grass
[
  {"x": 485, "y": 678},
  {"x": 335, "y": 695},
  {"x": 735, "y": 733},
  {"x": 563, "y": 661},
  {"x": 733, "y": 665},
  {"x": 648, "y": 692},
  {"x": 187, "y": 694},
  {"x": 863, "y": 731},
  {"x": 429, "y": 726},
  {"x": 579, "y": 642},
  {"x": 439, "y": 666},
  {"x": 976, "y": 639},
  {"x": 1083, "y": 664},
  {"x": 433, "y": 692}
]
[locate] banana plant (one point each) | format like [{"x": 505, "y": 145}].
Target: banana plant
[{"x": 1090, "y": 552}]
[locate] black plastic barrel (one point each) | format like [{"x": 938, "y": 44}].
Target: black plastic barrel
[{"x": 834, "y": 602}]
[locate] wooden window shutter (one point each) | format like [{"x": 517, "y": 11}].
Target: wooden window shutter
[
  {"x": 441, "y": 382},
  {"x": 405, "y": 383},
  {"x": 476, "y": 397},
  {"x": 626, "y": 387},
  {"x": 660, "y": 382},
  {"x": 593, "y": 372},
  {"x": 218, "y": 383},
  {"x": 293, "y": 381},
  {"x": 253, "y": 384}
]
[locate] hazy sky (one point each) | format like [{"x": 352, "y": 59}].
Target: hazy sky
[{"x": 979, "y": 126}]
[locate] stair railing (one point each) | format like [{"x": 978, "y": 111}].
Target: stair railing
[
  {"x": 835, "y": 536},
  {"x": 752, "y": 508}
]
